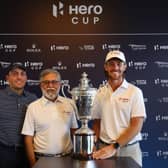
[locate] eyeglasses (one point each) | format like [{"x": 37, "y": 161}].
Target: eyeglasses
[{"x": 53, "y": 82}]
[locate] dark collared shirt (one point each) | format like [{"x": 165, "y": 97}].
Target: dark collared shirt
[{"x": 12, "y": 112}]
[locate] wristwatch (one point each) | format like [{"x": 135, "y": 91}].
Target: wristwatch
[{"x": 116, "y": 145}]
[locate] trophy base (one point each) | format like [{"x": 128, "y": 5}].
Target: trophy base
[{"x": 82, "y": 156}]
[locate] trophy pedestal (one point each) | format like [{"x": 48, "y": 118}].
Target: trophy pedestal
[{"x": 84, "y": 142}]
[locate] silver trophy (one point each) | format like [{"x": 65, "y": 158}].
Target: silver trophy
[{"x": 84, "y": 137}]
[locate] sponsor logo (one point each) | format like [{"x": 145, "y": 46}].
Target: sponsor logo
[
  {"x": 157, "y": 81},
  {"x": 161, "y": 64},
  {"x": 85, "y": 65},
  {"x": 139, "y": 82},
  {"x": 111, "y": 46},
  {"x": 33, "y": 82},
  {"x": 33, "y": 49},
  {"x": 4, "y": 64},
  {"x": 161, "y": 153},
  {"x": 161, "y": 117},
  {"x": 8, "y": 47},
  {"x": 34, "y": 65},
  {"x": 58, "y": 9},
  {"x": 59, "y": 66},
  {"x": 87, "y": 47},
  {"x": 161, "y": 82},
  {"x": 3, "y": 83},
  {"x": 162, "y": 100},
  {"x": 55, "y": 47},
  {"x": 31, "y": 65},
  {"x": 164, "y": 137},
  {"x": 79, "y": 14},
  {"x": 160, "y": 47},
  {"x": 136, "y": 47},
  {"x": 137, "y": 65}
]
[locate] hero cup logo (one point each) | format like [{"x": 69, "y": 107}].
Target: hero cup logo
[
  {"x": 79, "y": 14},
  {"x": 58, "y": 9}
]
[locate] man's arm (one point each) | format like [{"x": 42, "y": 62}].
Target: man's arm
[
  {"x": 29, "y": 150},
  {"x": 134, "y": 128}
]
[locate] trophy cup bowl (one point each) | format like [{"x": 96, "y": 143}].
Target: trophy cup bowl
[{"x": 84, "y": 137}]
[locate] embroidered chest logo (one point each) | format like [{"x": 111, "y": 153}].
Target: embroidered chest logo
[{"x": 123, "y": 99}]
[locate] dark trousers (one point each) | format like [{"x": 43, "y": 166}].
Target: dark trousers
[{"x": 11, "y": 157}]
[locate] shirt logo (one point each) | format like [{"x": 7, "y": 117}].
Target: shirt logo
[{"x": 124, "y": 100}]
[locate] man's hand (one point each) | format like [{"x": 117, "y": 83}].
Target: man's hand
[{"x": 105, "y": 152}]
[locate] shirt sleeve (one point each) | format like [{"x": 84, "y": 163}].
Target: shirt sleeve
[
  {"x": 138, "y": 109},
  {"x": 74, "y": 115},
  {"x": 28, "y": 125}
]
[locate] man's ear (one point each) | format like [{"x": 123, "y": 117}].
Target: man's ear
[
  {"x": 125, "y": 67},
  {"x": 105, "y": 67}
]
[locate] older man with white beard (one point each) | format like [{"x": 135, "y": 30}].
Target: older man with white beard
[{"x": 49, "y": 121}]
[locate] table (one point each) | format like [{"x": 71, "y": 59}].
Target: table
[{"x": 69, "y": 162}]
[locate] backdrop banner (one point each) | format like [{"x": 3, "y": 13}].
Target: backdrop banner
[{"x": 74, "y": 37}]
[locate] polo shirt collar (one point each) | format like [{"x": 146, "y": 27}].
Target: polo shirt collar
[
  {"x": 46, "y": 101},
  {"x": 123, "y": 85}
]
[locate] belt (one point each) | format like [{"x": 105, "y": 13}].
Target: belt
[
  {"x": 114, "y": 141},
  {"x": 131, "y": 144},
  {"x": 38, "y": 154},
  {"x": 16, "y": 147}
]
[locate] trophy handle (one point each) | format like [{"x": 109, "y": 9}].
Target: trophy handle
[{"x": 65, "y": 85}]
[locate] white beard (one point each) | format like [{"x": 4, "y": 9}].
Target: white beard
[{"x": 50, "y": 93}]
